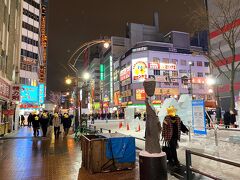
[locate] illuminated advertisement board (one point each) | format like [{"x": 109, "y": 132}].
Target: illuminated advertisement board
[
  {"x": 125, "y": 73},
  {"x": 29, "y": 94},
  {"x": 41, "y": 93},
  {"x": 162, "y": 66},
  {"x": 139, "y": 70}
]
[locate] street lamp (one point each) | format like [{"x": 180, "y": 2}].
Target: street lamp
[
  {"x": 86, "y": 76},
  {"x": 211, "y": 81},
  {"x": 190, "y": 71},
  {"x": 68, "y": 80}
]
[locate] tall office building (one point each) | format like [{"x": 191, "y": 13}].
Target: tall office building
[
  {"x": 10, "y": 20},
  {"x": 224, "y": 58},
  {"x": 33, "y": 54},
  {"x": 30, "y": 42}
]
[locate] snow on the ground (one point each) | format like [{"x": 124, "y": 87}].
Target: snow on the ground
[{"x": 228, "y": 148}]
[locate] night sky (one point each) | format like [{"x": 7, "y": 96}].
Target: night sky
[{"x": 74, "y": 22}]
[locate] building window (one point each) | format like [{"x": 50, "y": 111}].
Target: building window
[
  {"x": 156, "y": 72},
  {"x": 174, "y": 73},
  {"x": 175, "y": 61},
  {"x": 207, "y": 74},
  {"x": 183, "y": 62},
  {"x": 206, "y": 64},
  {"x": 200, "y": 74},
  {"x": 155, "y": 59},
  {"x": 166, "y": 60},
  {"x": 165, "y": 73},
  {"x": 199, "y": 63}
]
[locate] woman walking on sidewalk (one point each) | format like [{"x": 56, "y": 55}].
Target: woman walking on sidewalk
[{"x": 56, "y": 124}]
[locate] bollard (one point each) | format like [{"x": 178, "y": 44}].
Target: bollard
[
  {"x": 216, "y": 136},
  {"x": 188, "y": 164},
  {"x": 189, "y": 133},
  {"x": 100, "y": 130},
  {"x": 109, "y": 130}
]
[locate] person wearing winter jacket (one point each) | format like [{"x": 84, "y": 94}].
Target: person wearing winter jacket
[
  {"x": 44, "y": 120},
  {"x": 35, "y": 124},
  {"x": 56, "y": 123},
  {"x": 66, "y": 123},
  {"x": 172, "y": 127}
]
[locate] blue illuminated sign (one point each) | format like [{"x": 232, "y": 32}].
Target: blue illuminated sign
[
  {"x": 41, "y": 93},
  {"x": 29, "y": 94}
]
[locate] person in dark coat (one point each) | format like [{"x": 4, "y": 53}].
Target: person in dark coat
[
  {"x": 233, "y": 117},
  {"x": 29, "y": 119},
  {"x": 172, "y": 127},
  {"x": 44, "y": 120},
  {"x": 35, "y": 123},
  {"x": 22, "y": 120},
  {"x": 226, "y": 118},
  {"x": 66, "y": 123}
]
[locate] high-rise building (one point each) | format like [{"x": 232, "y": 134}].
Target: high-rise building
[
  {"x": 33, "y": 54},
  {"x": 10, "y": 21},
  {"x": 30, "y": 42},
  {"x": 220, "y": 49}
]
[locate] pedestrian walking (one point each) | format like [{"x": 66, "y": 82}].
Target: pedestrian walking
[
  {"x": 66, "y": 123},
  {"x": 226, "y": 119},
  {"x": 35, "y": 124},
  {"x": 22, "y": 120},
  {"x": 29, "y": 119},
  {"x": 56, "y": 124},
  {"x": 44, "y": 120},
  {"x": 172, "y": 127}
]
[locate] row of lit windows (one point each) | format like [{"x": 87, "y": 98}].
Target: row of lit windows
[
  {"x": 29, "y": 41},
  {"x": 27, "y": 81},
  {"x": 182, "y": 62},
  {"x": 175, "y": 73},
  {"x": 29, "y": 54},
  {"x": 30, "y": 14},
  {"x": 30, "y": 27},
  {"x": 33, "y": 3},
  {"x": 28, "y": 67}
]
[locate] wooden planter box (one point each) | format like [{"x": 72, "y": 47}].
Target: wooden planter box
[{"x": 94, "y": 157}]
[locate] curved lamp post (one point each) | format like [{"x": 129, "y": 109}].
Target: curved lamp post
[
  {"x": 72, "y": 62},
  {"x": 79, "y": 51}
]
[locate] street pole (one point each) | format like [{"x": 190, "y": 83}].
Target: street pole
[{"x": 191, "y": 87}]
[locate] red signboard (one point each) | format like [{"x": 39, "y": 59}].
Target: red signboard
[
  {"x": 8, "y": 112},
  {"x": 15, "y": 93},
  {"x": 4, "y": 89},
  {"x": 125, "y": 73},
  {"x": 140, "y": 94},
  {"x": 27, "y": 106}
]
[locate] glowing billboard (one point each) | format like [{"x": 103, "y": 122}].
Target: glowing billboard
[
  {"x": 139, "y": 69},
  {"x": 29, "y": 94}
]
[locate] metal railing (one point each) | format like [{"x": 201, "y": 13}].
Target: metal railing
[{"x": 190, "y": 169}]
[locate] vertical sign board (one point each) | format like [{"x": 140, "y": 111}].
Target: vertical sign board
[
  {"x": 199, "y": 119},
  {"x": 41, "y": 93}
]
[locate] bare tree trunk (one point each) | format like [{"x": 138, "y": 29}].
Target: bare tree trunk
[{"x": 232, "y": 96}]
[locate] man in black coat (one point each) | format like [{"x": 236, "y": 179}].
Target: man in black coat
[
  {"x": 67, "y": 121},
  {"x": 35, "y": 123},
  {"x": 44, "y": 120}
]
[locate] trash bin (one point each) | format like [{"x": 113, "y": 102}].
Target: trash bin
[{"x": 108, "y": 152}]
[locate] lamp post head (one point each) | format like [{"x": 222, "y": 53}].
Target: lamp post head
[
  {"x": 211, "y": 81},
  {"x": 86, "y": 76},
  {"x": 106, "y": 45},
  {"x": 68, "y": 81},
  {"x": 190, "y": 63}
]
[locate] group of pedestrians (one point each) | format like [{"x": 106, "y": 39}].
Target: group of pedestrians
[{"x": 45, "y": 120}]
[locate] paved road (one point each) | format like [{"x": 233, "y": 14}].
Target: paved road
[{"x": 24, "y": 157}]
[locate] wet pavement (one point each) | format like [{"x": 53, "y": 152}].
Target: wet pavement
[{"x": 25, "y": 157}]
